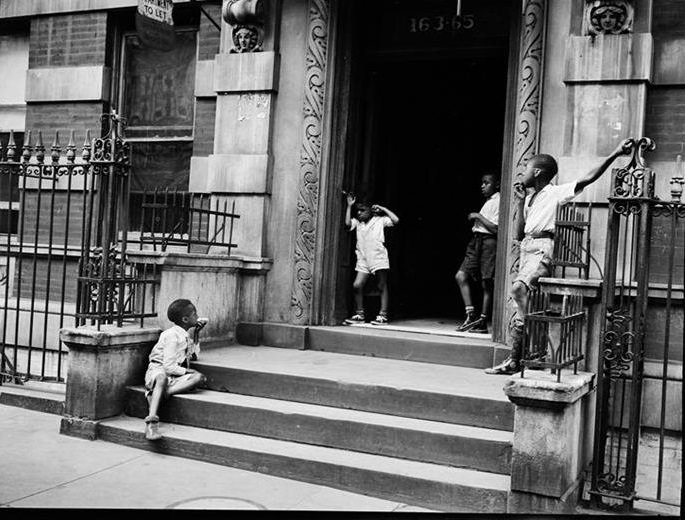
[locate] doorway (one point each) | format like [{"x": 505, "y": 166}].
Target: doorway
[{"x": 426, "y": 120}]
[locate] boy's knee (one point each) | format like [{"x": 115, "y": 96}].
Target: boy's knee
[
  {"x": 161, "y": 380},
  {"x": 358, "y": 285},
  {"x": 519, "y": 290},
  {"x": 461, "y": 277}
]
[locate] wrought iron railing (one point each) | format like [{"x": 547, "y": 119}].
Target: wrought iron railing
[
  {"x": 553, "y": 333},
  {"x": 196, "y": 222},
  {"x": 572, "y": 241},
  {"x": 630, "y": 270}
]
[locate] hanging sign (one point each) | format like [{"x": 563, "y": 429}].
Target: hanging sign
[{"x": 155, "y": 24}]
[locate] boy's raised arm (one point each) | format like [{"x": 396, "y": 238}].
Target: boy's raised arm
[
  {"x": 348, "y": 212},
  {"x": 394, "y": 218},
  {"x": 623, "y": 148}
]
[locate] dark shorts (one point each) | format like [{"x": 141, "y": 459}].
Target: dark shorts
[{"x": 479, "y": 260}]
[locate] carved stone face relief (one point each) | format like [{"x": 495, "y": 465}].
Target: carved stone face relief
[
  {"x": 608, "y": 17},
  {"x": 246, "y": 39}
]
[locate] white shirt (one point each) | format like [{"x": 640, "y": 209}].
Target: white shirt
[
  {"x": 541, "y": 214},
  {"x": 490, "y": 211},
  {"x": 370, "y": 234},
  {"x": 172, "y": 348}
]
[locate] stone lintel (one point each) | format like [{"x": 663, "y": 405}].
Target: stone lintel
[
  {"x": 204, "y": 79},
  {"x": 540, "y": 388},
  {"x": 620, "y": 57},
  {"x": 246, "y": 72},
  {"x": 201, "y": 262},
  {"x": 572, "y": 286},
  {"x": 82, "y": 83},
  {"x": 107, "y": 336},
  {"x": 235, "y": 173}
]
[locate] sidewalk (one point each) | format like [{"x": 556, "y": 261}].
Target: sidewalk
[{"x": 39, "y": 468}]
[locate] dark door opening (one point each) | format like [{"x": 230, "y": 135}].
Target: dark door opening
[{"x": 431, "y": 118}]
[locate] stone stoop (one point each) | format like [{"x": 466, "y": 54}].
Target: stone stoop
[
  {"x": 430, "y": 435},
  {"x": 36, "y": 396}
]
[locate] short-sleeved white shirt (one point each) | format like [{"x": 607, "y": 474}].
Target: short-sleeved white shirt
[
  {"x": 490, "y": 211},
  {"x": 541, "y": 214},
  {"x": 370, "y": 234},
  {"x": 172, "y": 349}
]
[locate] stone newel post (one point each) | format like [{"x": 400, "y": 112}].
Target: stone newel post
[{"x": 546, "y": 456}]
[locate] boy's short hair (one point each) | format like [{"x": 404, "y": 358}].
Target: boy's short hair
[
  {"x": 178, "y": 309},
  {"x": 494, "y": 175},
  {"x": 546, "y": 163}
]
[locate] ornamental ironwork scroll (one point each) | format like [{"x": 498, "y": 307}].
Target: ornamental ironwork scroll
[
  {"x": 624, "y": 309},
  {"x": 310, "y": 161}
]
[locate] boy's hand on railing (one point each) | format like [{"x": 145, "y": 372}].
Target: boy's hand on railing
[{"x": 623, "y": 148}]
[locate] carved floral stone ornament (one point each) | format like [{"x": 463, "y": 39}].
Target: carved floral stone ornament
[
  {"x": 247, "y": 19},
  {"x": 608, "y": 17}
]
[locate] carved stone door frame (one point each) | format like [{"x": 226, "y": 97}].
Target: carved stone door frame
[{"x": 326, "y": 100}]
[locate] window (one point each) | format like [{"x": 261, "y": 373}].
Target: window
[
  {"x": 157, "y": 100},
  {"x": 14, "y": 62}
]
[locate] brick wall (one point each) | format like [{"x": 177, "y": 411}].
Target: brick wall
[
  {"x": 68, "y": 40},
  {"x": 42, "y": 281},
  {"x": 63, "y": 117},
  {"x": 209, "y": 36},
  {"x": 665, "y": 121},
  {"x": 55, "y": 211},
  {"x": 668, "y": 17},
  {"x": 205, "y": 116}
]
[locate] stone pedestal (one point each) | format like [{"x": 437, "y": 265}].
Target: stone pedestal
[
  {"x": 102, "y": 363},
  {"x": 225, "y": 289},
  {"x": 546, "y": 455}
]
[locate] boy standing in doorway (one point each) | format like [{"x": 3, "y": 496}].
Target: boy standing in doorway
[
  {"x": 479, "y": 259},
  {"x": 536, "y": 215},
  {"x": 372, "y": 256}
]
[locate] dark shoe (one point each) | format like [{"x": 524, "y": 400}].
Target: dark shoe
[
  {"x": 356, "y": 319},
  {"x": 480, "y": 326},
  {"x": 506, "y": 367},
  {"x": 468, "y": 323},
  {"x": 152, "y": 428},
  {"x": 381, "y": 319}
]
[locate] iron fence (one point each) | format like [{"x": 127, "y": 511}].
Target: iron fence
[
  {"x": 64, "y": 237},
  {"x": 196, "y": 222},
  {"x": 641, "y": 280}
]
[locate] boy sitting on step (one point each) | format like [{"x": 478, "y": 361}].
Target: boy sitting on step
[
  {"x": 168, "y": 371},
  {"x": 536, "y": 214}
]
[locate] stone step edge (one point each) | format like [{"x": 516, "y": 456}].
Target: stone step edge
[
  {"x": 344, "y": 414},
  {"x": 439, "y": 487}
]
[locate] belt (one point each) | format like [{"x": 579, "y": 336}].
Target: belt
[
  {"x": 483, "y": 235},
  {"x": 541, "y": 234}
]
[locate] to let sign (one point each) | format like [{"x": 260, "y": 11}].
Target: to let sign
[{"x": 155, "y": 24}]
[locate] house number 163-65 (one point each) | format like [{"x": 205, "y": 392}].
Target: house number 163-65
[{"x": 441, "y": 23}]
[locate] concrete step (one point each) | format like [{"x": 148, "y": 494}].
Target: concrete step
[
  {"x": 417, "y": 483},
  {"x": 440, "y": 345},
  {"x": 467, "y": 351},
  {"x": 432, "y": 392},
  {"x": 37, "y": 396},
  {"x": 401, "y": 437}
]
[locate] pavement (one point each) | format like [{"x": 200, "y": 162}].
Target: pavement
[{"x": 39, "y": 468}]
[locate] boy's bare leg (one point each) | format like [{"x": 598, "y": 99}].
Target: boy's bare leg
[
  {"x": 358, "y": 286},
  {"x": 158, "y": 392},
  {"x": 464, "y": 287},
  {"x": 519, "y": 292},
  {"x": 487, "y": 297},
  {"x": 385, "y": 291},
  {"x": 196, "y": 380}
]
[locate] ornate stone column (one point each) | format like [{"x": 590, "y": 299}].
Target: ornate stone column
[
  {"x": 526, "y": 127},
  {"x": 318, "y": 30}
]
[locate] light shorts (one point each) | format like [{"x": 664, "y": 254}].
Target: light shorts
[
  {"x": 535, "y": 260},
  {"x": 153, "y": 370},
  {"x": 372, "y": 261}
]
